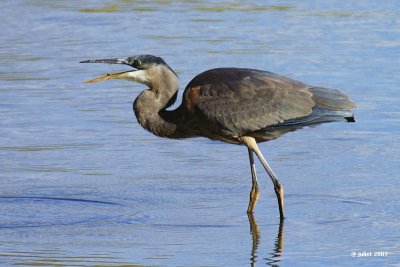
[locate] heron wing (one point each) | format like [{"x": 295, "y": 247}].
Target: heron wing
[{"x": 239, "y": 101}]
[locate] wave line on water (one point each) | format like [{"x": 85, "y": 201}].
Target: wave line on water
[{"x": 61, "y": 199}]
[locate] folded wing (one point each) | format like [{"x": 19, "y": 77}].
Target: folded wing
[{"x": 239, "y": 101}]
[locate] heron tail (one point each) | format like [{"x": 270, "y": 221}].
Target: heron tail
[
  {"x": 331, "y": 99},
  {"x": 333, "y": 103}
]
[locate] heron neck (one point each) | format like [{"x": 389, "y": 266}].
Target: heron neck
[{"x": 150, "y": 108}]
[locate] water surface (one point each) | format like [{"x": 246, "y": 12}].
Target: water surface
[{"x": 83, "y": 185}]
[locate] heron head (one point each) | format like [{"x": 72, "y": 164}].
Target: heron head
[{"x": 143, "y": 64}]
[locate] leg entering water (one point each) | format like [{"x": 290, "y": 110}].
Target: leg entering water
[
  {"x": 254, "y": 193},
  {"x": 277, "y": 186},
  {"x": 251, "y": 144}
]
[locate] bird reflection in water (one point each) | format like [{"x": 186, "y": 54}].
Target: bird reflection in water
[{"x": 274, "y": 257}]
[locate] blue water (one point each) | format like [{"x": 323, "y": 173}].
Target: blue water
[{"x": 82, "y": 184}]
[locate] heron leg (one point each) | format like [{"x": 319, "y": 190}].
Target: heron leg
[
  {"x": 251, "y": 143},
  {"x": 254, "y": 193},
  {"x": 277, "y": 185}
]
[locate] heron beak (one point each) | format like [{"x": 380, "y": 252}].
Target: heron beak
[{"x": 110, "y": 76}]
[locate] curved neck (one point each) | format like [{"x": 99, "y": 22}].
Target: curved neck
[{"x": 150, "y": 106}]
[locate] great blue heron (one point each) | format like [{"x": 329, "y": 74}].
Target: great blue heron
[{"x": 233, "y": 105}]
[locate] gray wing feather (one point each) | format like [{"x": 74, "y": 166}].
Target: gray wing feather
[
  {"x": 330, "y": 105},
  {"x": 244, "y": 100}
]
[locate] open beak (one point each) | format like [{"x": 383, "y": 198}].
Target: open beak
[
  {"x": 119, "y": 75},
  {"x": 109, "y": 76}
]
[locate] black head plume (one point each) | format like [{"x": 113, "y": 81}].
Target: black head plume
[{"x": 144, "y": 61}]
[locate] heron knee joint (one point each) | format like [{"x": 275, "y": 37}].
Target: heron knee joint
[{"x": 250, "y": 142}]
